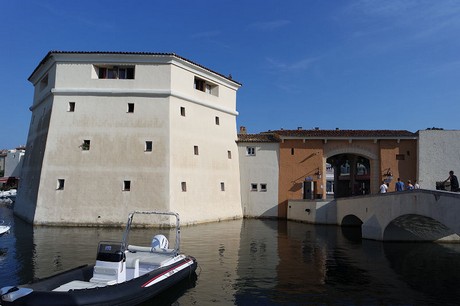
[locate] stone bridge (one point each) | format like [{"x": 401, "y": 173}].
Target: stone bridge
[{"x": 418, "y": 215}]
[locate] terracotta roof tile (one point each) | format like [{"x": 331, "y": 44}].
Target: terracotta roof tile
[
  {"x": 258, "y": 138},
  {"x": 316, "y": 133},
  {"x": 50, "y": 54}
]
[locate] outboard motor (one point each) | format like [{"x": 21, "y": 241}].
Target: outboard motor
[{"x": 160, "y": 242}]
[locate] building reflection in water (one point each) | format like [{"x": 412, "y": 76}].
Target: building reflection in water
[{"x": 247, "y": 262}]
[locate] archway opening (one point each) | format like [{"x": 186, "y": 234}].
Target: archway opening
[
  {"x": 351, "y": 220},
  {"x": 347, "y": 175},
  {"x": 351, "y": 228},
  {"x": 413, "y": 227}
]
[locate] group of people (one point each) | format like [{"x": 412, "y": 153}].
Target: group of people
[{"x": 399, "y": 186}]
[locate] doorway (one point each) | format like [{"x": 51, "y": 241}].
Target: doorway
[{"x": 351, "y": 175}]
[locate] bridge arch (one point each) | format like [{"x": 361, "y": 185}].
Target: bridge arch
[
  {"x": 351, "y": 228},
  {"x": 413, "y": 227},
  {"x": 351, "y": 220}
]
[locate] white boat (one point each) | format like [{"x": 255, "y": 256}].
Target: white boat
[
  {"x": 8, "y": 195},
  {"x": 124, "y": 274},
  {"x": 4, "y": 228}
]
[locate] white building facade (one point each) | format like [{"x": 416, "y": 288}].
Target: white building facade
[
  {"x": 115, "y": 132},
  {"x": 13, "y": 162},
  {"x": 438, "y": 153},
  {"x": 259, "y": 171}
]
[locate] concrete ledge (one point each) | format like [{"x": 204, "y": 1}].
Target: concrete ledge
[{"x": 313, "y": 211}]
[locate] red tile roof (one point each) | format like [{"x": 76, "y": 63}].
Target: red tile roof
[
  {"x": 258, "y": 138},
  {"x": 317, "y": 133},
  {"x": 50, "y": 54}
]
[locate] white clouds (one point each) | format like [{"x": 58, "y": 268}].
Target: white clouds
[
  {"x": 290, "y": 74},
  {"x": 422, "y": 19},
  {"x": 447, "y": 67},
  {"x": 377, "y": 8},
  {"x": 302, "y": 64}
]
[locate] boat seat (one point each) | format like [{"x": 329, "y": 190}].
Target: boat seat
[
  {"x": 132, "y": 267},
  {"x": 110, "y": 265},
  {"x": 147, "y": 260},
  {"x": 105, "y": 275},
  {"x": 76, "y": 285}
]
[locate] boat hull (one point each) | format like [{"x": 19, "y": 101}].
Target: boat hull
[{"x": 131, "y": 292}]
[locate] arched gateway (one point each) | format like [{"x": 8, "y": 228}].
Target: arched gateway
[
  {"x": 351, "y": 171},
  {"x": 316, "y": 164}
]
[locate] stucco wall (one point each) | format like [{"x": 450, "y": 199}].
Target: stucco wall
[
  {"x": 94, "y": 178},
  {"x": 13, "y": 163},
  {"x": 94, "y": 191},
  {"x": 26, "y": 200},
  {"x": 203, "y": 172},
  {"x": 438, "y": 153},
  {"x": 262, "y": 168},
  {"x": 404, "y": 168},
  {"x": 298, "y": 160}
]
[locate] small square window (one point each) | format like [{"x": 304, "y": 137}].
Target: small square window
[
  {"x": 60, "y": 184},
  {"x": 130, "y": 107},
  {"x": 126, "y": 185},
  {"x": 250, "y": 151},
  {"x": 205, "y": 86},
  {"x": 86, "y": 145},
  {"x": 263, "y": 187},
  {"x": 222, "y": 186},
  {"x": 195, "y": 150},
  {"x": 182, "y": 111},
  {"x": 217, "y": 121},
  {"x": 148, "y": 146},
  {"x": 253, "y": 187},
  {"x": 183, "y": 186},
  {"x": 71, "y": 107},
  {"x": 229, "y": 154},
  {"x": 292, "y": 151}
]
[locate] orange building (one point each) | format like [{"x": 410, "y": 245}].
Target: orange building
[{"x": 315, "y": 164}]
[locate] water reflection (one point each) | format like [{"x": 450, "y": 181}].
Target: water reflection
[
  {"x": 440, "y": 265},
  {"x": 258, "y": 262}
]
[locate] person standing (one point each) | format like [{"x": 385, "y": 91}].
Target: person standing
[
  {"x": 399, "y": 185},
  {"x": 409, "y": 185},
  {"x": 383, "y": 187},
  {"x": 453, "y": 181}
]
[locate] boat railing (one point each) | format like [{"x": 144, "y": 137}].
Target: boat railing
[{"x": 130, "y": 221}]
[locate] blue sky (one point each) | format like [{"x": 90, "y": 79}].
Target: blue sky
[{"x": 303, "y": 63}]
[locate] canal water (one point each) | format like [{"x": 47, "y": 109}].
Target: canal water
[{"x": 258, "y": 262}]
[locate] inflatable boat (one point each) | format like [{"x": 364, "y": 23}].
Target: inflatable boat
[{"x": 123, "y": 274}]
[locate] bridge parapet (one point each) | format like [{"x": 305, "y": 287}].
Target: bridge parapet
[{"x": 416, "y": 215}]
